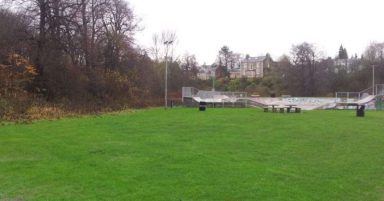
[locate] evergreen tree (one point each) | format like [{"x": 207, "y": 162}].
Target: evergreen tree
[{"x": 343, "y": 54}]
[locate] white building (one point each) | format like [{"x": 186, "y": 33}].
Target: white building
[
  {"x": 205, "y": 72},
  {"x": 347, "y": 65},
  {"x": 253, "y": 67},
  {"x": 235, "y": 73},
  {"x": 249, "y": 67}
]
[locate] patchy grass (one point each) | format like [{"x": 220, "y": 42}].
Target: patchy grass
[{"x": 183, "y": 154}]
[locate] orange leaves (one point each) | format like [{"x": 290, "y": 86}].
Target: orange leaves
[
  {"x": 18, "y": 63},
  {"x": 31, "y": 70},
  {"x": 15, "y": 73}
]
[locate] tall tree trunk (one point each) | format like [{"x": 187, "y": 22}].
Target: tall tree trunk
[
  {"x": 42, "y": 35},
  {"x": 85, "y": 33}
]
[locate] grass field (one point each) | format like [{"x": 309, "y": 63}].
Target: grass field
[{"x": 183, "y": 154}]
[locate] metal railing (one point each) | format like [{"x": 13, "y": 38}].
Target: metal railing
[
  {"x": 379, "y": 89},
  {"x": 347, "y": 96},
  {"x": 355, "y": 96},
  {"x": 193, "y": 92},
  {"x": 212, "y": 94}
]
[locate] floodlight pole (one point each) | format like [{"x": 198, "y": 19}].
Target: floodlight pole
[
  {"x": 213, "y": 78},
  {"x": 166, "y": 43},
  {"x": 373, "y": 79}
]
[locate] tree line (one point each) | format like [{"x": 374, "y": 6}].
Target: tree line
[{"x": 79, "y": 55}]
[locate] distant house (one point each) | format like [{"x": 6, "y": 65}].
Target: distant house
[
  {"x": 235, "y": 73},
  {"x": 205, "y": 72},
  {"x": 248, "y": 67},
  {"x": 348, "y": 65},
  {"x": 253, "y": 67}
]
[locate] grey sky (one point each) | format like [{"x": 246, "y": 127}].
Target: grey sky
[{"x": 256, "y": 27}]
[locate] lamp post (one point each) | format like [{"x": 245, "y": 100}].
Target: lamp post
[
  {"x": 213, "y": 78},
  {"x": 166, "y": 43},
  {"x": 373, "y": 79}
]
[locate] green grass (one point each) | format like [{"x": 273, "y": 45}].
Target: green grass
[{"x": 183, "y": 154}]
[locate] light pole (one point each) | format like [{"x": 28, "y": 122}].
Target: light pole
[
  {"x": 166, "y": 43},
  {"x": 213, "y": 78},
  {"x": 373, "y": 79}
]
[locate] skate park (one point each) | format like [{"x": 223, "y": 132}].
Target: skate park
[{"x": 371, "y": 98}]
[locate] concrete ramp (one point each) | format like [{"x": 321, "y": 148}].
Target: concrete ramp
[
  {"x": 218, "y": 99},
  {"x": 305, "y": 103},
  {"x": 366, "y": 100}
]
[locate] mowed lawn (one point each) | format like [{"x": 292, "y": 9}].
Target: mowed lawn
[{"x": 183, "y": 154}]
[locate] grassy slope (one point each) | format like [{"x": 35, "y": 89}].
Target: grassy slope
[{"x": 182, "y": 154}]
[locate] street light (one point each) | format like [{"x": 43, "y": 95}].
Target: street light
[
  {"x": 213, "y": 77},
  {"x": 167, "y": 44},
  {"x": 373, "y": 79}
]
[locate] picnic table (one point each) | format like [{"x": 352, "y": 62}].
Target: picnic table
[
  {"x": 273, "y": 106},
  {"x": 290, "y": 107},
  {"x": 282, "y": 108}
]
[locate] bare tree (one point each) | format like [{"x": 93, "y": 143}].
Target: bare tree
[
  {"x": 226, "y": 58},
  {"x": 119, "y": 28},
  {"x": 375, "y": 53},
  {"x": 189, "y": 66},
  {"x": 304, "y": 57},
  {"x": 155, "y": 49},
  {"x": 158, "y": 48}
]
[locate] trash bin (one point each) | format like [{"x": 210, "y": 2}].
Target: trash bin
[
  {"x": 360, "y": 110},
  {"x": 202, "y": 106}
]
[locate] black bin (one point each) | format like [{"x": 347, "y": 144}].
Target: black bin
[
  {"x": 360, "y": 110},
  {"x": 202, "y": 106}
]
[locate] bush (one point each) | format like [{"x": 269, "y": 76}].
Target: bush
[{"x": 4, "y": 106}]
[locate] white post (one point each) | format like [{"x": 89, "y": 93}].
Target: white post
[
  {"x": 336, "y": 97},
  {"x": 373, "y": 79},
  {"x": 166, "y": 43},
  {"x": 213, "y": 78},
  {"x": 166, "y": 80}
]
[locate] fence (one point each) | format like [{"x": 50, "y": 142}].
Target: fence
[
  {"x": 379, "y": 89},
  {"x": 214, "y": 98},
  {"x": 348, "y": 96},
  {"x": 355, "y": 96},
  {"x": 189, "y": 92}
]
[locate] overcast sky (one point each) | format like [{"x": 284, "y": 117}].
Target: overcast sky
[{"x": 257, "y": 27}]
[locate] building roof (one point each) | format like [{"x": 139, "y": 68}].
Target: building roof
[{"x": 255, "y": 59}]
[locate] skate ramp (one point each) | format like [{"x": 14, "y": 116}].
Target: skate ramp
[{"x": 305, "y": 103}]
